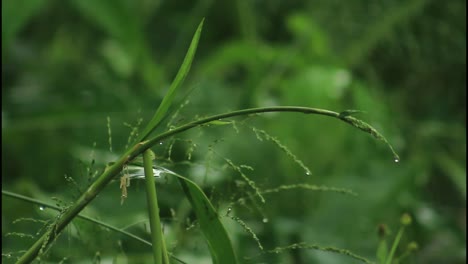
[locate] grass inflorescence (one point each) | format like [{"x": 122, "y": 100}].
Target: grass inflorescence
[
  {"x": 304, "y": 245},
  {"x": 250, "y": 182},
  {"x": 310, "y": 187},
  {"x": 248, "y": 230},
  {"x": 368, "y": 129},
  {"x": 262, "y": 134}
]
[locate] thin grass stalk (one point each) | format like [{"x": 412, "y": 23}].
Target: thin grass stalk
[
  {"x": 165, "y": 254},
  {"x": 153, "y": 209},
  {"x": 395, "y": 245},
  {"x": 405, "y": 221}
]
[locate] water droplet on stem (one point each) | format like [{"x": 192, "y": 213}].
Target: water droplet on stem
[
  {"x": 228, "y": 211},
  {"x": 41, "y": 208}
]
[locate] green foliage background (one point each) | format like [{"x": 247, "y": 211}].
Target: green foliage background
[{"x": 67, "y": 65}]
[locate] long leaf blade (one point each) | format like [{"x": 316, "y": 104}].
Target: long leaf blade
[
  {"x": 178, "y": 80},
  {"x": 216, "y": 236}
]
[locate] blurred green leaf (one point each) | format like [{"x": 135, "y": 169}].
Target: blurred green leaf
[
  {"x": 455, "y": 172},
  {"x": 382, "y": 251},
  {"x": 15, "y": 15},
  {"x": 117, "y": 17},
  {"x": 306, "y": 29},
  {"x": 381, "y": 29}
]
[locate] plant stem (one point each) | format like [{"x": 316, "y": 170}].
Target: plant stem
[
  {"x": 153, "y": 209},
  {"x": 138, "y": 149},
  {"x": 73, "y": 211},
  {"x": 395, "y": 245},
  {"x": 165, "y": 254}
]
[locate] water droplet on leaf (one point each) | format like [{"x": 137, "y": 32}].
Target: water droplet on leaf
[
  {"x": 228, "y": 211},
  {"x": 397, "y": 160},
  {"x": 41, "y": 208},
  {"x": 265, "y": 220}
]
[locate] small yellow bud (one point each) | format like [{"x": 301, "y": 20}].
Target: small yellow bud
[
  {"x": 413, "y": 246},
  {"x": 406, "y": 219}
]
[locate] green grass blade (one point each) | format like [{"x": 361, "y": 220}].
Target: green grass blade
[
  {"x": 210, "y": 224},
  {"x": 395, "y": 245},
  {"x": 178, "y": 80}
]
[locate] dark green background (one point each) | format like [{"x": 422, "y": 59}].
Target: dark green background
[{"x": 68, "y": 65}]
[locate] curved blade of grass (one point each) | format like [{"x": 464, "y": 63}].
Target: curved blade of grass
[
  {"x": 216, "y": 236},
  {"x": 343, "y": 116},
  {"x": 178, "y": 80}
]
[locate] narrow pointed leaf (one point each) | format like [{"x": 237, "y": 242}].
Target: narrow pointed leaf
[{"x": 178, "y": 80}]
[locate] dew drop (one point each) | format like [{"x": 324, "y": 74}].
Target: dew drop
[
  {"x": 41, "y": 208},
  {"x": 307, "y": 173},
  {"x": 265, "y": 220},
  {"x": 160, "y": 143},
  {"x": 228, "y": 211},
  {"x": 397, "y": 160}
]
